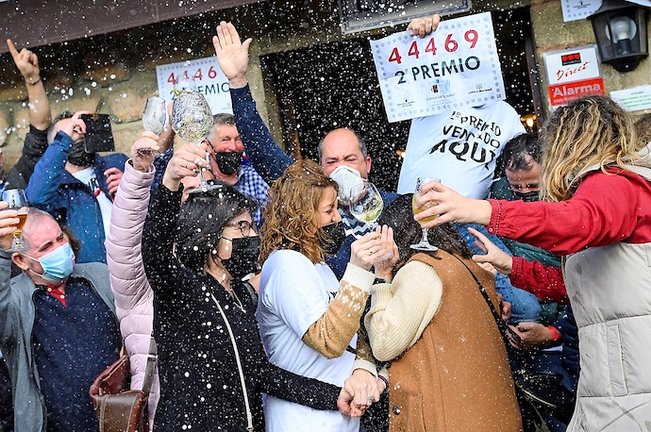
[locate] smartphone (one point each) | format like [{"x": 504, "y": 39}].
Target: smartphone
[{"x": 99, "y": 136}]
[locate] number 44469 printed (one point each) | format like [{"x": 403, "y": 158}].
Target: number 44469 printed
[{"x": 455, "y": 66}]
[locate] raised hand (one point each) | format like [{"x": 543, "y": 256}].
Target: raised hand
[
  {"x": 384, "y": 267},
  {"x": 27, "y": 63},
  {"x": 499, "y": 259},
  {"x": 144, "y": 150},
  {"x": 187, "y": 161},
  {"x": 232, "y": 54},
  {"x": 74, "y": 127},
  {"x": 424, "y": 26},
  {"x": 369, "y": 249},
  {"x": 8, "y": 223}
]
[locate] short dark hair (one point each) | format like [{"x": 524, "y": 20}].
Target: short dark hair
[
  {"x": 406, "y": 231},
  {"x": 201, "y": 222},
  {"x": 50, "y": 130},
  {"x": 516, "y": 150}
]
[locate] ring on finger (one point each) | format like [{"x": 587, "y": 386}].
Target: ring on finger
[
  {"x": 370, "y": 400},
  {"x": 197, "y": 161}
]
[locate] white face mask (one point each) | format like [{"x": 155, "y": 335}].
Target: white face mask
[{"x": 347, "y": 178}]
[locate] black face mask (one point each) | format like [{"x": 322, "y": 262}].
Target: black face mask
[
  {"x": 78, "y": 156},
  {"x": 527, "y": 196},
  {"x": 228, "y": 163},
  {"x": 332, "y": 236},
  {"x": 244, "y": 257}
]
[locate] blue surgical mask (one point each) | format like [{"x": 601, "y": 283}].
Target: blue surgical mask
[{"x": 57, "y": 265}]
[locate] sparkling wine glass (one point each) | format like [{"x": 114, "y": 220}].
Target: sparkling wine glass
[
  {"x": 154, "y": 117},
  {"x": 17, "y": 201},
  {"x": 192, "y": 118},
  {"x": 424, "y": 244},
  {"x": 365, "y": 203}
]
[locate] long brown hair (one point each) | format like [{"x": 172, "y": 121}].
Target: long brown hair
[
  {"x": 289, "y": 214},
  {"x": 590, "y": 131}
]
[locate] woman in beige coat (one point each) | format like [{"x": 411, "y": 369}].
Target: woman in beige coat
[{"x": 449, "y": 369}]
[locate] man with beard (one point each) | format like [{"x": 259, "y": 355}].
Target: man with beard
[{"x": 76, "y": 187}]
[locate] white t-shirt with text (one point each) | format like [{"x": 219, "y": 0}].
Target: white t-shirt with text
[
  {"x": 294, "y": 293},
  {"x": 459, "y": 148}
]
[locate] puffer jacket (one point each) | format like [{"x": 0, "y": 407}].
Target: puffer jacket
[{"x": 134, "y": 298}]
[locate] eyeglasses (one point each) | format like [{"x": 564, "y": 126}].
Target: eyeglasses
[{"x": 244, "y": 226}]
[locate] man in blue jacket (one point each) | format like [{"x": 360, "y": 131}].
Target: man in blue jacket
[
  {"x": 339, "y": 148},
  {"x": 76, "y": 187},
  {"x": 58, "y": 329}
]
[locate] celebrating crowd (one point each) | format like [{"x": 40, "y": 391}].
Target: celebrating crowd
[{"x": 268, "y": 305}]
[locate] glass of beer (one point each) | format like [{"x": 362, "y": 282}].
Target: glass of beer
[
  {"x": 17, "y": 201},
  {"x": 424, "y": 244}
]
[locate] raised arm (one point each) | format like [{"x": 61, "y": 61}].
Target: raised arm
[
  {"x": 8, "y": 222},
  {"x": 124, "y": 254},
  {"x": 39, "y": 117},
  {"x": 158, "y": 257},
  {"x": 267, "y": 157}
]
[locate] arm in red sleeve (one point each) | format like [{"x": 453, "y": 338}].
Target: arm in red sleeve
[
  {"x": 545, "y": 282},
  {"x": 605, "y": 209}
]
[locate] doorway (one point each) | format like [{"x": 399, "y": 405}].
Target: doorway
[{"x": 327, "y": 86}]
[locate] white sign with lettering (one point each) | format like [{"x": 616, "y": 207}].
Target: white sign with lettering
[
  {"x": 572, "y": 65},
  {"x": 207, "y": 76},
  {"x": 633, "y": 99},
  {"x": 456, "y": 66}
]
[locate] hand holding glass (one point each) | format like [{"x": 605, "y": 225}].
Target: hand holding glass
[
  {"x": 16, "y": 200},
  {"x": 192, "y": 120},
  {"x": 424, "y": 244}
]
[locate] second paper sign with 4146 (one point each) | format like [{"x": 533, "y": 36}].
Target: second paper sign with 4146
[{"x": 455, "y": 66}]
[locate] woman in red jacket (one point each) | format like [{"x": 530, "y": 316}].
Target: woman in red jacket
[{"x": 597, "y": 184}]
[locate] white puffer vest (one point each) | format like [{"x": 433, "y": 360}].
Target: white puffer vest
[{"x": 610, "y": 292}]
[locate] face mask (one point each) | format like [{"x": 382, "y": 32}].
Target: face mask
[
  {"x": 57, "y": 265},
  {"x": 244, "y": 257},
  {"x": 332, "y": 236},
  {"x": 78, "y": 156},
  {"x": 527, "y": 196},
  {"x": 347, "y": 178},
  {"x": 228, "y": 163}
]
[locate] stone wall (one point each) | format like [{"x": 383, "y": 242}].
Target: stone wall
[{"x": 552, "y": 34}]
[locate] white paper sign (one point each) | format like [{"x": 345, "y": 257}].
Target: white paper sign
[
  {"x": 208, "y": 77},
  {"x": 575, "y": 64},
  {"x": 574, "y": 10},
  {"x": 456, "y": 66},
  {"x": 633, "y": 99}
]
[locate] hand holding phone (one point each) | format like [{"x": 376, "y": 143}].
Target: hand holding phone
[{"x": 99, "y": 135}]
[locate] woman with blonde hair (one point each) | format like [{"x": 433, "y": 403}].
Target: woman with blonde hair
[
  {"x": 597, "y": 180},
  {"x": 307, "y": 318}
]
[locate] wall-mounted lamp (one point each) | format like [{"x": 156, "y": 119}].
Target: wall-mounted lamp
[{"x": 621, "y": 33}]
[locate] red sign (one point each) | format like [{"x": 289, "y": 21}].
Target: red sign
[{"x": 561, "y": 94}]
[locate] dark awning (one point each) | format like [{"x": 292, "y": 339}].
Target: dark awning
[{"x": 32, "y": 23}]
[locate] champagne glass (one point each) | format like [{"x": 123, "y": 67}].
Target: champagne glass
[
  {"x": 424, "y": 244},
  {"x": 154, "y": 117},
  {"x": 192, "y": 118},
  {"x": 17, "y": 201},
  {"x": 365, "y": 203}
]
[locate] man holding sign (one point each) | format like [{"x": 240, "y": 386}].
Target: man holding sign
[{"x": 451, "y": 84}]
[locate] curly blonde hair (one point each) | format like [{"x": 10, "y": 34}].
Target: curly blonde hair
[
  {"x": 289, "y": 214},
  {"x": 590, "y": 131}
]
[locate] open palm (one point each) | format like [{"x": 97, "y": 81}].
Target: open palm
[{"x": 232, "y": 53}]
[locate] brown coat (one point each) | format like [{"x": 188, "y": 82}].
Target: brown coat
[{"x": 456, "y": 377}]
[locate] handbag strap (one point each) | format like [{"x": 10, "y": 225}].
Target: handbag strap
[
  {"x": 501, "y": 325},
  {"x": 152, "y": 357}
]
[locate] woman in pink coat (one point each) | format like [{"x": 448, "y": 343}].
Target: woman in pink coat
[{"x": 133, "y": 295}]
